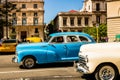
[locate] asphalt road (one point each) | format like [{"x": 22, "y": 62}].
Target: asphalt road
[{"x": 56, "y": 71}]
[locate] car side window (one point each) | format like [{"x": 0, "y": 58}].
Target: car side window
[
  {"x": 72, "y": 39},
  {"x": 83, "y": 39},
  {"x": 9, "y": 41},
  {"x": 57, "y": 40}
]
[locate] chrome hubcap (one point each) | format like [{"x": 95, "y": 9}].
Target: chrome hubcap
[
  {"x": 29, "y": 62},
  {"x": 107, "y": 73}
]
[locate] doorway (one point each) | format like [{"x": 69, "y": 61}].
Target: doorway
[{"x": 23, "y": 35}]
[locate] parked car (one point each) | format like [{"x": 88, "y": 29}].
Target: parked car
[
  {"x": 33, "y": 39},
  {"x": 8, "y": 45},
  {"x": 100, "y": 59},
  {"x": 60, "y": 47}
]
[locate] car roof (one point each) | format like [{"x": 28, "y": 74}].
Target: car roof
[{"x": 68, "y": 33}]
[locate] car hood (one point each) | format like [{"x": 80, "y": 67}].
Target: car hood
[
  {"x": 100, "y": 47},
  {"x": 25, "y": 46}
]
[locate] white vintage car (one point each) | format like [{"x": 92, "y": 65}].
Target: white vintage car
[{"x": 101, "y": 59}]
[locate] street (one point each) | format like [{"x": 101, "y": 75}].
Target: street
[{"x": 56, "y": 71}]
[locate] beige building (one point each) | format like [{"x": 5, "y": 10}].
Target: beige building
[
  {"x": 72, "y": 20},
  {"x": 113, "y": 19},
  {"x": 1, "y": 28},
  {"x": 29, "y": 21},
  {"x": 92, "y": 13}
]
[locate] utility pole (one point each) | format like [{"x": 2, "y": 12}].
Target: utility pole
[{"x": 97, "y": 32}]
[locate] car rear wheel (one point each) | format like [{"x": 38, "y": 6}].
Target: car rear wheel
[
  {"x": 106, "y": 72},
  {"x": 29, "y": 62}
]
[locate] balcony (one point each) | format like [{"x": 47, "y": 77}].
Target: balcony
[{"x": 32, "y": 9}]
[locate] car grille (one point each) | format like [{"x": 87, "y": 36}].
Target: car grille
[{"x": 83, "y": 60}]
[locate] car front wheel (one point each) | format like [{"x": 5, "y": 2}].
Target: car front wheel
[
  {"x": 106, "y": 72},
  {"x": 29, "y": 62}
]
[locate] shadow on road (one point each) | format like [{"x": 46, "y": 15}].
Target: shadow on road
[
  {"x": 91, "y": 77},
  {"x": 7, "y": 53},
  {"x": 53, "y": 65},
  {"x": 88, "y": 77}
]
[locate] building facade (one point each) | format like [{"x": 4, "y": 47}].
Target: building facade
[
  {"x": 113, "y": 19},
  {"x": 1, "y": 17},
  {"x": 92, "y": 13},
  {"x": 28, "y": 20}
]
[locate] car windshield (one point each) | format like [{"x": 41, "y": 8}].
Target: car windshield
[{"x": 9, "y": 41}]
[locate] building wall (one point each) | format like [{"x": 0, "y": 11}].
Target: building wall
[
  {"x": 88, "y": 11},
  {"x": 113, "y": 5},
  {"x": 28, "y": 29},
  {"x": 90, "y": 5},
  {"x": 1, "y": 27},
  {"x": 113, "y": 19},
  {"x": 75, "y": 16}
]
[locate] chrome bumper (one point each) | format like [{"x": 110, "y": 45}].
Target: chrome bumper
[
  {"x": 14, "y": 59},
  {"x": 82, "y": 64},
  {"x": 82, "y": 68}
]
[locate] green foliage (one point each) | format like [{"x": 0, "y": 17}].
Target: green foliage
[
  {"x": 102, "y": 31},
  {"x": 6, "y": 12},
  {"x": 91, "y": 31},
  {"x": 51, "y": 28}
]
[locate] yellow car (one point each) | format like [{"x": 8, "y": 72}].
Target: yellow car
[
  {"x": 8, "y": 45},
  {"x": 33, "y": 39}
]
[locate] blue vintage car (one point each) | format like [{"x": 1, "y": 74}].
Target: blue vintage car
[{"x": 60, "y": 47}]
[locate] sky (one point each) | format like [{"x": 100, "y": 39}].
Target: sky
[{"x": 53, "y": 7}]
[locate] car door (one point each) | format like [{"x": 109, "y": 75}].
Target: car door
[
  {"x": 73, "y": 45},
  {"x": 58, "y": 48}
]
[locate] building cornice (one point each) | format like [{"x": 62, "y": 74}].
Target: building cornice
[
  {"x": 26, "y": 1},
  {"x": 75, "y": 13},
  {"x": 112, "y": 0},
  {"x": 113, "y": 17}
]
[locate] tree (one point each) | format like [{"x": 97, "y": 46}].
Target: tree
[
  {"x": 51, "y": 28},
  {"x": 102, "y": 32},
  {"x": 8, "y": 7},
  {"x": 6, "y": 20},
  {"x": 91, "y": 31}
]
